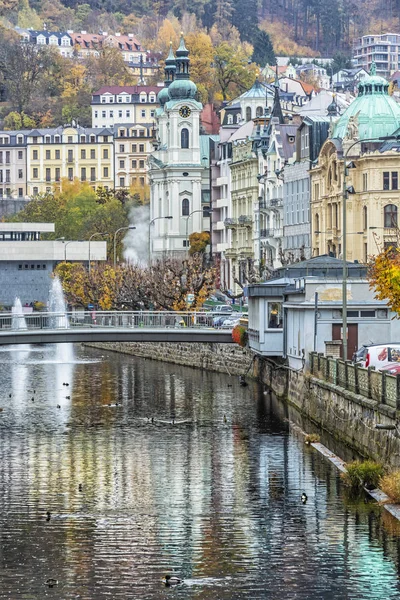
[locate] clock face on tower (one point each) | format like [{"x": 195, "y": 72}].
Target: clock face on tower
[{"x": 185, "y": 112}]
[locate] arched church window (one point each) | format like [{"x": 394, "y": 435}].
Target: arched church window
[
  {"x": 259, "y": 111},
  {"x": 184, "y": 138},
  {"x": 248, "y": 113},
  {"x": 390, "y": 215},
  {"x": 230, "y": 119},
  {"x": 185, "y": 207}
]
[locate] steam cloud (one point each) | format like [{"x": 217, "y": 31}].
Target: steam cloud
[{"x": 136, "y": 241}]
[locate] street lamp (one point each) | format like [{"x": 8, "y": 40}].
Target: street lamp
[
  {"x": 345, "y": 193},
  {"x": 187, "y": 222},
  {"x": 151, "y": 222},
  {"x": 90, "y": 239},
  {"x": 65, "y": 248},
  {"x": 115, "y": 240}
]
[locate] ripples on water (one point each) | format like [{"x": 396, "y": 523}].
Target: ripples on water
[{"x": 214, "y": 498}]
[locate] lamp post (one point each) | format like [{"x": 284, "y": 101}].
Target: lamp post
[
  {"x": 65, "y": 248},
  {"x": 187, "y": 223},
  {"x": 90, "y": 239},
  {"x": 115, "y": 240},
  {"x": 345, "y": 192},
  {"x": 151, "y": 222}
]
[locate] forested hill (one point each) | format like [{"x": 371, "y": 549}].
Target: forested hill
[{"x": 295, "y": 26}]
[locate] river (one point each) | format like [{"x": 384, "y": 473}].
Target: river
[{"x": 149, "y": 468}]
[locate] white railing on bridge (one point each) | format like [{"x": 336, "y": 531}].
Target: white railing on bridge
[{"x": 107, "y": 319}]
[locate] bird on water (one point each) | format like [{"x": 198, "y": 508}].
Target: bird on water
[
  {"x": 172, "y": 580},
  {"x": 304, "y": 498},
  {"x": 48, "y": 513}
]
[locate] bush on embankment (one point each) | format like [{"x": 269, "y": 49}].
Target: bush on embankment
[
  {"x": 390, "y": 484},
  {"x": 363, "y": 474}
]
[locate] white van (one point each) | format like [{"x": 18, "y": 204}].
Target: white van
[{"x": 378, "y": 355}]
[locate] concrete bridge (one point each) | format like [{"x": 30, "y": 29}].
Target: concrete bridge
[{"x": 107, "y": 326}]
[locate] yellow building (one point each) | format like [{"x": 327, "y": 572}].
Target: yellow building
[
  {"x": 372, "y": 177},
  {"x": 132, "y": 146},
  {"x": 69, "y": 152}
]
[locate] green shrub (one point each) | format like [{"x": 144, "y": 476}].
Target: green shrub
[
  {"x": 311, "y": 438},
  {"x": 363, "y": 474},
  {"x": 390, "y": 484}
]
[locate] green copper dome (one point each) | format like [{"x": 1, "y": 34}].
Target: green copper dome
[
  {"x": 372, "y": 114},
  {"x": 182, "y": 89},
  {"x": 163, "y": 96}
]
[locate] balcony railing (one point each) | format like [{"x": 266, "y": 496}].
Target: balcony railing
[
  {"x": 230, "y": 223},
  {"x": 245, "y": 220},
  {"x": 246, "y": 251},
  {"x": 262, "y": 204},
  {"x": 276, "y": 201},
  {"x": 265, "y": 233}
]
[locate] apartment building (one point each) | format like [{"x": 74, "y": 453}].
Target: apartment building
[
  {"x": 68, "y": 152},
  {"x": 114, "y": 105},
  {"x": 383, "y": 50},
  {"x": 61, "y": 40},
  {"x": 12, "y": 164},
  {"x": 132, "y": 146}
]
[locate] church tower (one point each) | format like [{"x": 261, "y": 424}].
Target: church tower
[{"x": 179, "y": 166}]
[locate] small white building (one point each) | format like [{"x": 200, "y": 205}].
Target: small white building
[{"x": 301, "y": 311}]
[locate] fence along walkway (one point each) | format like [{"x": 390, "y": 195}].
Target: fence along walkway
[
  {"x": 80, "y": 326},
  {"x": 379, "y": 386}
]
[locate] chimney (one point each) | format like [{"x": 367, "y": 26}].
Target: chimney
[
  {"x": 105, "y": 32},
  {"x": 117, "y": 33},
  {"x": 69, "y": 31},
  {"x": 130, "y": 35},
  {"x": 83, "y": 32}
]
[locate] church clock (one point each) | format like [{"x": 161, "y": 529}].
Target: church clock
[{"x": 184, "y": 112}]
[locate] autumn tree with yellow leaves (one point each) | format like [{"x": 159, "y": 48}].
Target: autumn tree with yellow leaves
[{"x": 384, "y": 276}]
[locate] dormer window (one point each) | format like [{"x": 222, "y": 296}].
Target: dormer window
[
  {"x": 119, "y": 98},
  {"x": 103, "y": 99}
]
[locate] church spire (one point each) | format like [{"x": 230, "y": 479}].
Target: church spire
[
  {"x": 182, "y": 60},
  {"x": 170, "y": 67},
  {"x": 277, "y": 109}
]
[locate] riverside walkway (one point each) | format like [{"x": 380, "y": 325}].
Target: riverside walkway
[{"x": 109, "y": 326}]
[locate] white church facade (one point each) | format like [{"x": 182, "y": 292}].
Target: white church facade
[{"x": 179, "y": 166}]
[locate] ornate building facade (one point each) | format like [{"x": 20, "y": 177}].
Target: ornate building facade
[{"x": 371, "y": 177}]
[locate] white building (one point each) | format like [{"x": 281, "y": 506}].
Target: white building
[
  {"x": 179, "y": 167},
  {"x": 383, "y": 50},
  {"x": 114, "y": 104}
]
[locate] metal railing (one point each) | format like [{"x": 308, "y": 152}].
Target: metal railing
[{"x": 107, "y": 319}]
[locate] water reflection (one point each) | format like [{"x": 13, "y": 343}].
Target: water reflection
[{"x": 214, "y": 497}]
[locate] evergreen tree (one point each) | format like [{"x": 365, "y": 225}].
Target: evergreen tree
[
  {"x": 263, "y": 51},
  {"x": 245, "y": 18}
]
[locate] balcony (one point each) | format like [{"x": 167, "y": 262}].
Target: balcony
[
  {"x": 262, "y": 204},
  {"x": 221, "y": 181},
  {"x": 231, "y": 223},
  {"x": 278, "y": 233},
  {"x": 231, "y": 252},
  {"x": 275, "y": 202},
  {"x": 222, "y": 247},
  {"x": 245, "y": 221},
  {"x": 266, "y": 233},
  {"x": 246, "y": 251},
  {"x": 218, "y": 225}
]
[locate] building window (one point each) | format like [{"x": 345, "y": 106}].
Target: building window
[
  {"x": 35, "y": 155},
  {"x": 395, "y": 181},
  {"x": 20, "y": 139},
  {"x": 93, "y": 174},
  {"x": 390, "y": 215},
  {"x": 122, "y": 147},
  {"x": 143, "y": 114},
  {"x": 122, "y": 164},
  {"x": 83, "y": 174},
  {"x": 48, "y": 175},
  {"x": 316, "y": 223},
  {"x": 134, "y": 147},
  {"x": 70, "y": 139},
  {"x": 122, "y": 181},
  {"x": 248, "y": 113},
  {"x": 92, "y": 139},
  {"x": 185, "y": 207},
  {"x": 58, "y": 154},
  {"x": 58, "y": 173},
  {"x": 20, "y": 192},
  {"x": 105, "y": 172},
  {"x": 184, "y": 138},
  {"x": 365, "y": 182},
  {"x": 35, "y": 191},
  {"x": 70, "y": 156},
  {"x": 141, "y": 164},
  {"x": 48, "y": 155},
  {"x": 70, "y": 174},
  {"x": 128, "y": 114},
  {"x": 57, "y": 139},
  {"x": 93, "y": 153},
  {"x": 141, "y": 147},
  {"x": 134, "y": 164},
  {"x": 83, "y": 154},
  {"x": 35, "y": 173},
  {"x": 365, "y": 218},
  {"x": 274, "y": 315},
  {"x": 386, "y": 180},
  {"x": 141, "y": 181},
  {"x": 141, "y": 133},
  {"x": 105, "y": 153},
  {"x": 20, "y": 155},
  {"x": 20, "y": 174}
]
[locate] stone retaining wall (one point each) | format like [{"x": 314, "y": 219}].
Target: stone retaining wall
[{"x": 223, "y": 358}]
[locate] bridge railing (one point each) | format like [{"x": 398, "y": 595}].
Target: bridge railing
[{"x": 111, "y": 319}]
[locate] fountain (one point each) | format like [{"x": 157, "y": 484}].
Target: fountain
[
  {"x": 18, "y": 319},
  {"x": 59, "y": 320},
  {"x": 57, "y": 305}
]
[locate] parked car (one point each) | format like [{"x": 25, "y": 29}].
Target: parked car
[
  {"x": 378, "y": 355},
  {"x": 222, "y": 308},
  {"x": 393, "y": 369}
]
